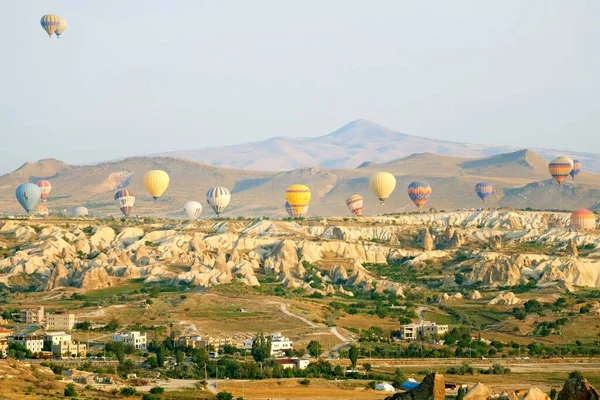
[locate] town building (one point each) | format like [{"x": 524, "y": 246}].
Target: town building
[
  {"x": 60, "y": 321},
  {"x": 33, "y": 343},
  {"x": 279, "y": 344},
  {"x": 218, "y": 343},
  {"x": 33, "y": 316},
  {"x": 421, "y": 330},
  {"x": 296, "y": 363},
  {"x": 135, "y": 339},
  {"x": 56, "y": 337},
  {"x": 69, "y": 349},
  {"x": 3, "y": 347},
  {"x": 193, "y": 341},
  {"x": 4, "y": 333}
]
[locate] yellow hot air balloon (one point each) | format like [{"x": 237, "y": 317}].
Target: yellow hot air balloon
[
  {"x": 50, "y": 22},
  {"x": 298, "y": 197},
  {"x": 382, "y": 184},
  {"x": 62, "y": 25},
  {"x": 156, "y": 182}
]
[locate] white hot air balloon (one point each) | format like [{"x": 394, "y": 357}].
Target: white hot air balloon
[
  {"x": 218, "y": 198},
  {"x": 79, "y": 211},
  {"x": 192, "y": 209}
]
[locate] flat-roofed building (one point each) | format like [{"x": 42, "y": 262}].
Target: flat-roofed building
[
  {"x": 421, "y": 330},
  {"x": 56, "y": 337},
  {"x": 3, "y": 347},
  {"x": 135, "y": 339},
  {"x": 33, "y": 316},
  {"x": 33, "y": 343},
  {"x": 67, "y": 348},
  {"x": 60, "y": 321}
]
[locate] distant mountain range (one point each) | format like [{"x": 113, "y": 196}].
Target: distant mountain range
[
  {"x": 520, "y": 180},
  {"x": 353, "y": 144}
]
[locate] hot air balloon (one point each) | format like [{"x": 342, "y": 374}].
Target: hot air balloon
[
  {"x": 28, "y": 195},
  {"x": 577, "y": 166},
  {"x": 294, "y": 214},
  {"x": 79, "y": 211},
  {"x": 156, "y": 182},
  {"x": 62, "y": 25},
  {"x": 382, "y": 184},
  {"x": 484, "y": 190},
  {"x": 218, "y": 198},
  {"x": 125, "y": 200},
  {"x": 355, "y": 204},
  {"x": 298, "y": 196},
  {"x": 583, "y": 220},
  {"x": 419, "y": 193},
  {"x": 46, "y": 189},
  {"x": 192, "y": 209},
  {"x": 50, "y": 22},
  {"x": 560, "y": 168}
]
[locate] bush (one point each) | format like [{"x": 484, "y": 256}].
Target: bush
[
  {"x": 128, "y": 391},
  {"x": 157, "y": 390},
  {"x": 305, "y": 382},
  {"x": 224, "y": 396},
  {"x": 371, "y": 385},
  {"x": 70, "y": 390}
]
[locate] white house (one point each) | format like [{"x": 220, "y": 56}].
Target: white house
[
  {"x": 135, "y": 339},
  {"x": 421, "y": 330},
  {"x": 33, "y": 343},
  {"x": 279, "y": 344},
  {"x": 56, "y": 337}
]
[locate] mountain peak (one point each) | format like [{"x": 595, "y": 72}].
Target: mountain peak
[{"x": 363, "y": 128}]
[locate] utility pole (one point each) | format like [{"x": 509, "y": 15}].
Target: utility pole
[{"x": 205, "y": 374}]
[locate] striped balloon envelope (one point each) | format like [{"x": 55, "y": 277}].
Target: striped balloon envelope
[
  {"x": 355, "y": 204},
  {"x": 577, "y": 166},
  {"x": 300, "y": 214},
  {"x": 125, "y": 199},
  {"x": 419, "y": 192},
  {"x": 583, "y": 220},
  {"x": 298, "y": 196},
  {"x": 46, "y": 188},
  {"x": 50, "y": 23},
  {"x": 484, "y": 190},
  {"x": 218, "y": 198},
  {"x": 560, "y": 168}
]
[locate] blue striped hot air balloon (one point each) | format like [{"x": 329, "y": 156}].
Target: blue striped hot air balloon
[
  {"x": 419, "y": 192},
  {"x": 28, "y": 195},
  {"x": 577, "y": 166},
  {"x": 484, "y": 190}
]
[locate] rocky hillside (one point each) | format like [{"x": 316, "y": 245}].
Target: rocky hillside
[
  {"x": 486, "y": 248},
  {"x": 520, "y": 180}
]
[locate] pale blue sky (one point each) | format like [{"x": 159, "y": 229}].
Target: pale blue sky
[{"x": 146, "y": 76}]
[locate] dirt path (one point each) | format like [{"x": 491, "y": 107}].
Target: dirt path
[
  {"x": 420, "y": 312},
  {"x": 212, "y": 387},
  {"x": 301, "y": 318}
]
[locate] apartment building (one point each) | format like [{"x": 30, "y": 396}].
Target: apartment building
[
  {"x": 279, "y": 344},
  {"x": 135, "y": 339},
  {"x": 193, "y": 341},
  {"x": 218, "y": 343},
  {"x": 56, "y": 337},
  {"x": 33, "y": 343},
  {"x": 33, "y": 316},
  {"x": 421, "y": 330},
  {"x": 69, "y": 349},
  {"x": 60, "y": 321}
]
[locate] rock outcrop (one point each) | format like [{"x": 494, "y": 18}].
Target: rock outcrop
[
  {"x": 578, "y": 388},
  {"x": 431, "y": 388},
  {"x": 505, "y": 299},
  {"x": 536, "y": 394},
  {"x": 479, "y": 392}
]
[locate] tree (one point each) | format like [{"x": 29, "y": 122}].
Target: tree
[
  {"x": 70, "y": 390},
  {"x": 157, "y": 390},
  {"x": 113, "y": 325},
  {"x": 128, "y": 391},
  {"x": 314, "y": 348},
  {"x": 160, "y": 356},
  {"x": 261, "y": 347},
  {"x": 224, "y": 396},
  {"x": 179, "y": 357},
  {"x": 367, "y": 367},
  {"x": 152, "y": 361},
  {"x": 553, "y": 394},
  {"x": 461, "y": 393},
  {"x": 353, "y": 355},
  {"x": 398, "y": 378}
]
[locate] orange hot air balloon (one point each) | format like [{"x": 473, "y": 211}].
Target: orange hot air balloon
[
  {"x": 46, "y": 188},
  {"x": 560, "y": 168},
  {"x": 583, "y": 220}
]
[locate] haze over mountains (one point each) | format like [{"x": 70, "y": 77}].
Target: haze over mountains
[
  {"x": 520, "y": 179},
  {"x": 357, "y": 142}
]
